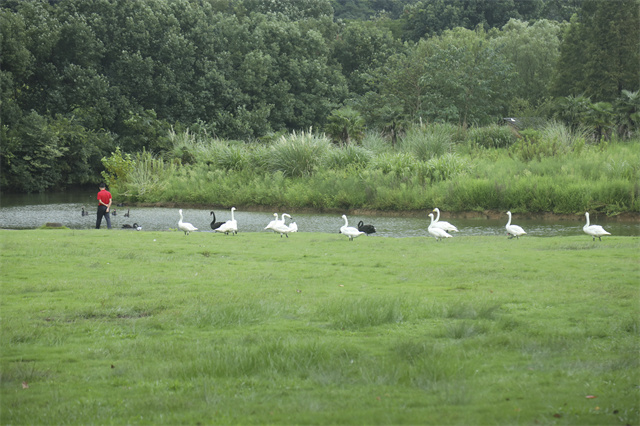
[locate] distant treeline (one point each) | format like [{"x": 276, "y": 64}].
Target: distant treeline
[{"x": 79, "y": 78}]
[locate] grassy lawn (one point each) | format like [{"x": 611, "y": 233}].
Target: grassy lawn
[{"x": 125, "y": 327}]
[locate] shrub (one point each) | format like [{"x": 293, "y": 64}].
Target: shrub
[
  {"x": 493, "y": 136},
  {"x": 426, "y": 142},
  {"x": 298, "y": 154},
  {"x": 117, "y": 168},
  {"x": 376, "y": 143},
  {"x": 348, "y": 156},
  {"x": 399, "y": 164},
  {"x": 148, "y": 174}
]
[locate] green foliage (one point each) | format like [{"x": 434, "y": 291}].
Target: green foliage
[
  {"x": 446, "y": 167},
  {"x": 117, "y": 168},
  {"x": 428, "y": 141},
  {"x": 298, "y": 154},
  {"x": 348, "y": 156},
  {"x": 492, "y": 136},
  {"x": 42, "y": 153},
  {"x": 147, "y": 174},
  {"x": 93, "y": 74},
  {"x": 602, "y": 41},
  {"x": 533, "y": 49},
  {"x": 345, "y": 125}
]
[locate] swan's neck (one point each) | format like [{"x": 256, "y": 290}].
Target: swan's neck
[
  {"x": 431, "y": 217},
  {"x": 232, "y": 215},
  {"x": 509, "y": 222},
  {"x": 587, "y": 216},
  {"x": 346, "y": 222},
  {"x": 438, "y": 217}
]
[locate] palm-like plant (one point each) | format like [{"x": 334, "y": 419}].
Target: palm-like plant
[{"x": 345, "y": 124}]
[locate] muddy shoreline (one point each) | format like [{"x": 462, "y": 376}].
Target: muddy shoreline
[{"x": 485, "y": 214}]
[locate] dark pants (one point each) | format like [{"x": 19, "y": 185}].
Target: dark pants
[{"x": 102, "y": 211}]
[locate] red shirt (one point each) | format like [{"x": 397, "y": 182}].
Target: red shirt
[{"x": 104, "y": 196}]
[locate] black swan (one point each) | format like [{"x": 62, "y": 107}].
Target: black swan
[
  {"x": 215, "y": 225},
  {"x": 367, "y": 229}
]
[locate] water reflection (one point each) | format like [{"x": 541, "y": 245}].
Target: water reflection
[{"x": 163, "y": 219}]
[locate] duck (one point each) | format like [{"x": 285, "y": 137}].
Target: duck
[
  {"x": 84, "y": 212},
  {"x": 594, "y": 230},
  {"x": 436, "y": 232},
  {"x": 186, "y": 227},
  {"x": 367, "y": 229},
  {"x": 127, "y": 213},
  {"x": 442, "y": 224},
  {"x": 134, "y": 226},
  {"x": 513, "y": 230},
  {"x": 230, "y": 226},
  {"x": 349, "y": 231},
  {"x": 215, "y": 225}
]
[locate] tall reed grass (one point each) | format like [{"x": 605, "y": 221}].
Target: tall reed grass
[{"x": 550, "y": 169}]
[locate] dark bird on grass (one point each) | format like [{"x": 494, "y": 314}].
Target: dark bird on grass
[
  {"x": 84, "y": 212},
  {"x": 367, "y": 229},
  {"x": 127, "y": 213},
  {"x": 113, "y": 213},
  {"x": 134, "y": 226},
  {"x": 215, "y": 225}
]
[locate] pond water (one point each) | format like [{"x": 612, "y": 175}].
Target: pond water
[{"x": 34, "y": 210}]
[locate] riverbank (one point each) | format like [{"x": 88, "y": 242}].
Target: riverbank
[{"x": 468, "y": 180}]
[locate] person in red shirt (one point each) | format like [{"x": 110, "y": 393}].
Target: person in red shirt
[{"x": 104, "y": 204}]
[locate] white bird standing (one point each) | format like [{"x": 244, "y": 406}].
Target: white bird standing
[
  {"x": 594, "y": 230},
  {"x": 438, "y": 233},
  {"x": 292, "y": 226},
  {"x": 442, "y": 224},
  {"x": 349, "y": 231},
  {"x": 282, "y": 228},
  {"x": 230, "y": 225},
  {"x": 513, "y": 230},
  {"x": 185, "y": 226},
  {"x": 273, "y": 223}
]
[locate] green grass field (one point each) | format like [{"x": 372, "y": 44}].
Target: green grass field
[{"x": 124, "y": 327}]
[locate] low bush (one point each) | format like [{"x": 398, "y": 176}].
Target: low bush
[
  {"x": 493, "y": 136},
  {"x": 298, "y": 154}
]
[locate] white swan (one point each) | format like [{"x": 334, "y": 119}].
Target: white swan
[
  {"x": 185, "y": 226},
  {"x": 230, "y": 225},
  {"x": 513, "y": 230},
  {"x": 282, "y": 228},
  {"x": 292, "y": 226},
  {"x": 273, "y": 222},
  {"x": 594, "y": 230},
  {"x": 349, "y": 231},
  {"x": 438, "y": 233},
  {"x": 442, "y": 224}
]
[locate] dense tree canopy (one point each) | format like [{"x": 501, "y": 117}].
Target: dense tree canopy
[{"x": 78, "y": 78}]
